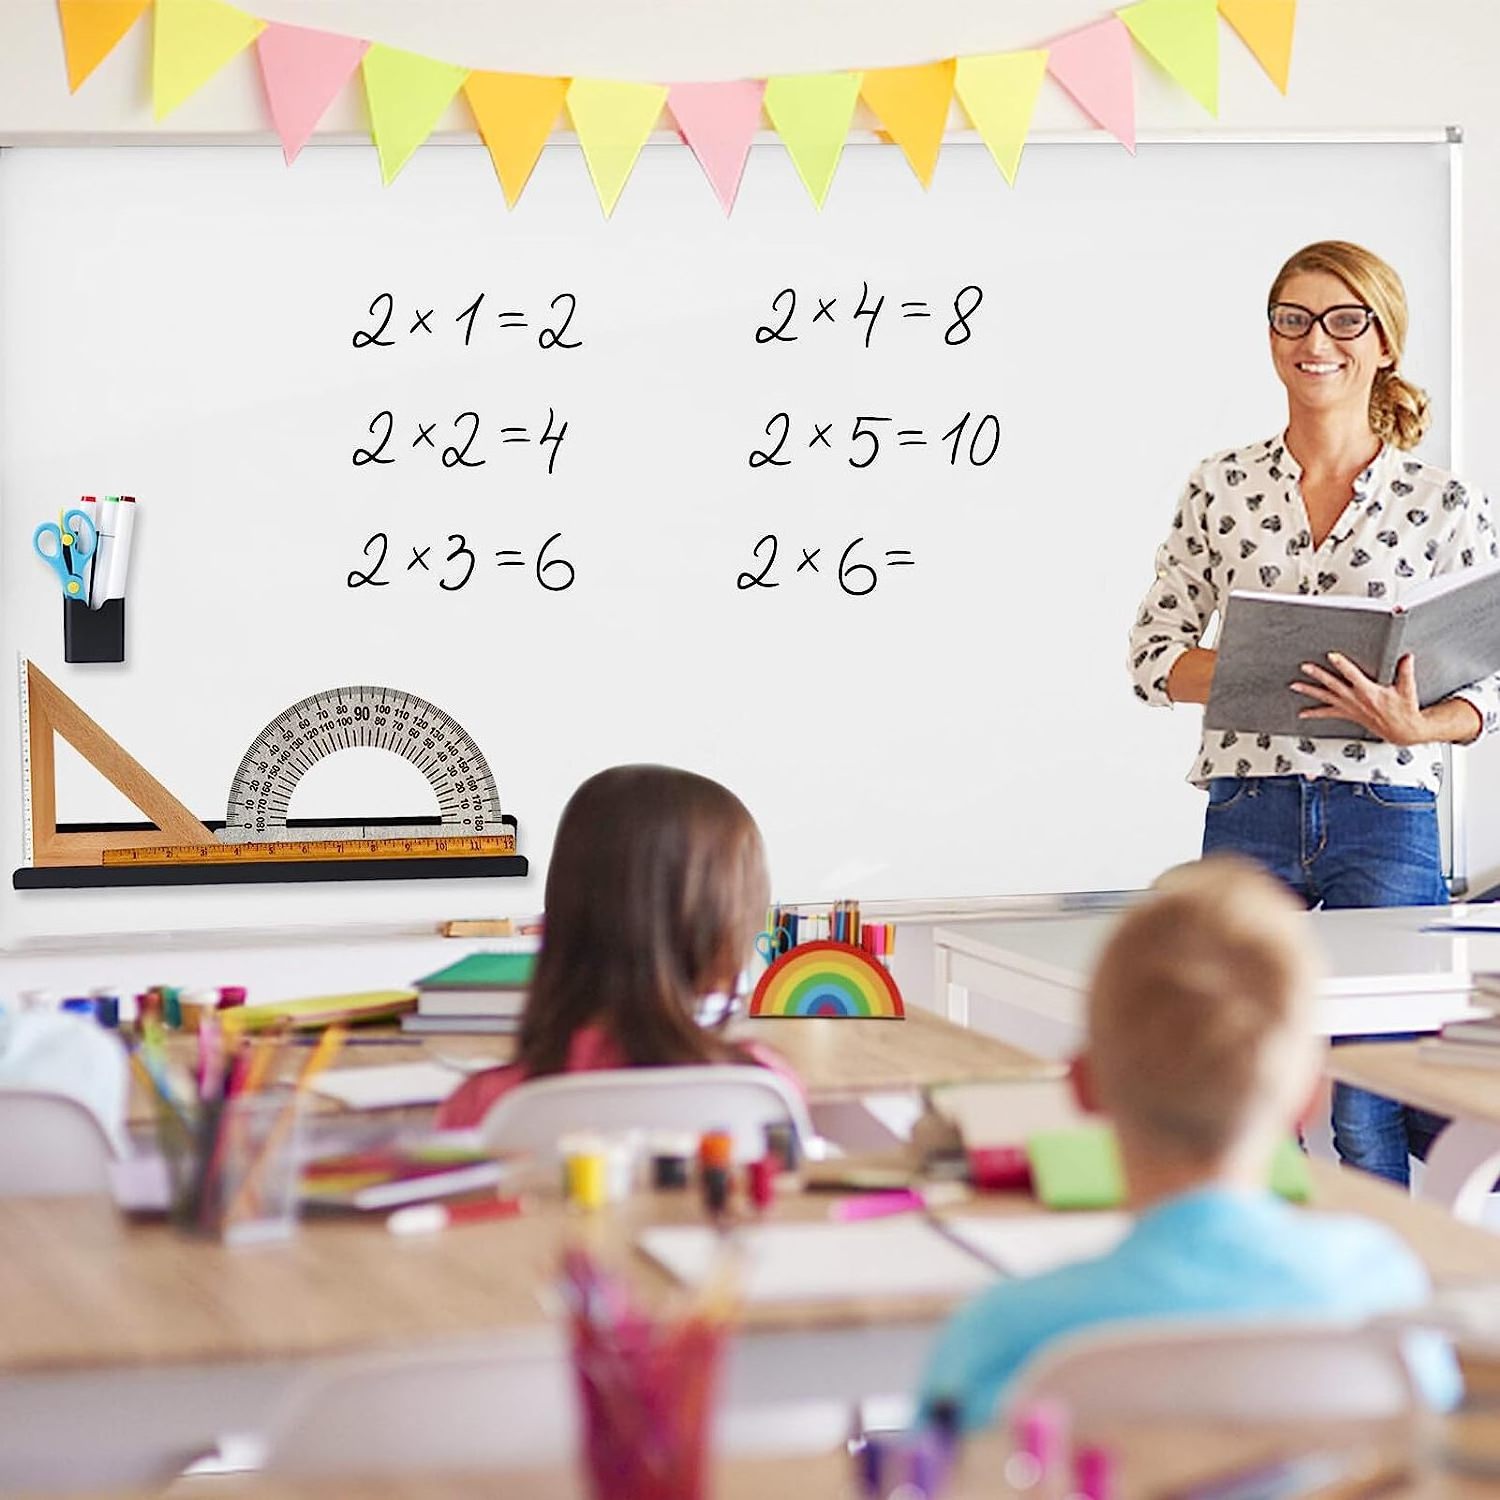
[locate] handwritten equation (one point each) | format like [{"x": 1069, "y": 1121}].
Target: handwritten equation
[
  {"x": 483, "y": 318},
  {"x": 452, "y": 570},
  {"x": 805, "y": 314},
  {"x": 974, "y": 440},
  {"x": 462, "y": 453},
  {"x": 853, "y": 573}
]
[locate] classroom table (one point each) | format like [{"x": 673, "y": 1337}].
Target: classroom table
[
  {"x": 839, "y": 1060},
  {"x": 1024, "y": 979},
  {"x": 123, "y": 1324},
  {"x": 1464, "y": 1160},
  {"x": 1152, "y": 1458}
]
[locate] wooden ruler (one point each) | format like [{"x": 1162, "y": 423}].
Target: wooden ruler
[{"x": 316, "y": 849}]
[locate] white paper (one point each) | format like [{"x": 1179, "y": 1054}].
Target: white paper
[
  {"x": 390, "y": 1086},
  {"x": 1029, "y": 1244},
  {"x": 901, "y": 1256}
]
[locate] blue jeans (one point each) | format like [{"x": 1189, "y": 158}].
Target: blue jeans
[{"x": 1341, "y": 844}]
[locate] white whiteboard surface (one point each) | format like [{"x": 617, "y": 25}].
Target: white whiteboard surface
[{"x": 176, "y": 323}]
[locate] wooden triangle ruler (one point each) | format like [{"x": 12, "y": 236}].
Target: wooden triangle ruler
[{"x": 47, "y": 710}]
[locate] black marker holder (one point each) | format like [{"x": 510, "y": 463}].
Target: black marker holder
[{"x": 93, "y": 635}]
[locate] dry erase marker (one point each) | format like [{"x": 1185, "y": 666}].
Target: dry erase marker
[
  {"x": 89, "y": 505},
  {"x": 104, "y": 549},
  {"x": 119, "y": 560},
  {"x": 429, "y": 1218}
]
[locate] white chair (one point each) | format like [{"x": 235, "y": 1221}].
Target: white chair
[
  {"x": 474, "y": 1409},
  {"x": 50, "y": 1145},
  {"x": 741, "y": 1099},
  {"x": 1283, "y": 1369}
]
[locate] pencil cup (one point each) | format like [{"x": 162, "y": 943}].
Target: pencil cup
[{"x": 239, "y": 1180}]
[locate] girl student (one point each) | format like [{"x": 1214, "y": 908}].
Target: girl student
[
  {"x": 656, "y": 887},
  {"x": 1333, "y": 504}
]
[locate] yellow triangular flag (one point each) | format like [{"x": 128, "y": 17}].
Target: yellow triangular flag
[
  {"x": 407, "y": 94},
  {"x": 1182, "y": 37},
  {"x": 193, "y": 39},
  {"x": 1265, "y": 27},
  {"x": 999, "y": 94},
  {"x": 811, "y": 113},
  {"x": 91, "y": 31},
  {"x": 515, "y": 113},
  {"x": 912, "y": 105},
  {"x": 613, "y": 120}
]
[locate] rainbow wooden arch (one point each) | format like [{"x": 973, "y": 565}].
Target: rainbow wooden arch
[{"x": 827, "y": 979}]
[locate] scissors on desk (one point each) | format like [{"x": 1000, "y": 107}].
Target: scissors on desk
[{"x": 65, "y": 549}]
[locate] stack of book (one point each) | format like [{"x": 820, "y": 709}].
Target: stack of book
[
  {"x": 484, "y": 992},
  {"x": 391, "y": 1177},
  {"x": 1467, "y": 1044}
]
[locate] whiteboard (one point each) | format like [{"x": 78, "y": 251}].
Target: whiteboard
[{"x": 179, "y": 323}]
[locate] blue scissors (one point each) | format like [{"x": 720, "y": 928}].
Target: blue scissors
[
  {"x": 66, "y": 548},
  {"x": 771, "y": 945}
]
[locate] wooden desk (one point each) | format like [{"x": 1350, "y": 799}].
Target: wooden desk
[
  {"x": 1464, "y": 1161},
  {"x": 837, "y": 1060},
  {"x": 1023, "y": 979},
  {"x": 135, "y": 1324},
  {"x": 1151, "y": 1458}
]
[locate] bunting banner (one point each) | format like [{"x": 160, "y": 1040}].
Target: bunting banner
[{"x": 303, "y": 71}]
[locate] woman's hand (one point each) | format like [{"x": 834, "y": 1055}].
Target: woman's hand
[
  {"x": 1192, "y": 676},
  {"x": 1393, "y": 713}
]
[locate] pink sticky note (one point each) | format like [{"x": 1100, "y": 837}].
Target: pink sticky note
[
  {"x": 1094, "y": 66},
  {"x": 718, "y": 120},
  {"x": 303, "y": 71}
]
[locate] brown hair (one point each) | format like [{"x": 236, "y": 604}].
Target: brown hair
[
  {"x": 1199, "y": 1010},
  {"x": 1398, "y": 409},
  {"x": 655, "y": 889}
]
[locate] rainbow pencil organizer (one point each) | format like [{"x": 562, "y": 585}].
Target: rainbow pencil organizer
[{"x": 827, "y": 979}]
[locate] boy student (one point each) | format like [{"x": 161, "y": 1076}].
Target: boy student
[{"x": 1200, "y": 1050}]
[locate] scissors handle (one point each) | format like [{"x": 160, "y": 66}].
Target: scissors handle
[
  {"x": 80, "y": 534},
  {"x": 47, "y": 542}
]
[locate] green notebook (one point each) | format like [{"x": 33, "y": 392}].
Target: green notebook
[
  {"x": 483, "y": 971},
  {"x": 1080, "y": 1168}
]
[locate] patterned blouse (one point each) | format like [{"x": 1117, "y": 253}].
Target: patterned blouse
[{"x": 1241, "y": 520}]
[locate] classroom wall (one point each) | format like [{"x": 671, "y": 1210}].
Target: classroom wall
[{"x": 1360, "y": 66}]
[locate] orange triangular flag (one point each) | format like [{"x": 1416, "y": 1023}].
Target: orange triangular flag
[
  {"x": 91, "y": 30},
  {"x": 1265, "y": 27},
  {"x": 912, "y": 104},
  {"x": 515, "y": 113}
]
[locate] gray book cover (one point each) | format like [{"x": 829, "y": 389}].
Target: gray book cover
[{"x": 1451, "y": 624}]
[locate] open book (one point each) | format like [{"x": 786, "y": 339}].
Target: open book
[{"x": 1451, "y": 624}]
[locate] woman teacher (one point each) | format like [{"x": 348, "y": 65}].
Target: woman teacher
[{"x": 1335, "y": 504}]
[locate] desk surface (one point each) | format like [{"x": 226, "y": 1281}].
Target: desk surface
[
  {"x": 834, "y": 1058},
  {"x": 1152, "y": 1458},
  {"x": 1396, "y": 1069},
  {"x": 81, "y": 1288},
  {"x": 1368, "y": 950}
]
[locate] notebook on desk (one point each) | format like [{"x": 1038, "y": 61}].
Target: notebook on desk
[{"x": 812, "y": 1262}]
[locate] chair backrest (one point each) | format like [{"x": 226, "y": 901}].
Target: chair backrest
[
  {"x": 50, "y": 1145},
  {"x": 466, "y": 1410},
  {"x": 1286, "y": 1369},
  {"x": 741, "y": 1099}
]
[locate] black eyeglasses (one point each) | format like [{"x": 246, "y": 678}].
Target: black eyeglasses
[{"x": 1345, "y": 322}]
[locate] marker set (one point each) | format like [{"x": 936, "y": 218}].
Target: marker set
[{"x": 88, "y": 548}]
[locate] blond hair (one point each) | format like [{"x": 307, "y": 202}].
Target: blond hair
[
  {"x": 1199, "y": 1011},
  {"x": 1398, "y": 409}
]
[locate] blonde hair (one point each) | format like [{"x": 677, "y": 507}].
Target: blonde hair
[
  {"x": 1199, "y": 1010},
  {"x": 1398, "y": 409}
]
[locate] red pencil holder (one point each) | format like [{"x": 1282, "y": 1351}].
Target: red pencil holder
[{"x": 646, "y": 1393}]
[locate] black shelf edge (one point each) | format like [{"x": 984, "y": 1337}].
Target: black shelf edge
[{"x": 270, "y": 872}]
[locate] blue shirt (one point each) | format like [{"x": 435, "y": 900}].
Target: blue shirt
[{"x": 1213, "y": 1252}]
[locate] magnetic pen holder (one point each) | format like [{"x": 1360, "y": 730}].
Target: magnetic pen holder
[{"x": 93, "y": 634}]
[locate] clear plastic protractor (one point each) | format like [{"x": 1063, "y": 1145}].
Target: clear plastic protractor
[{"x": 346, "y": 718}]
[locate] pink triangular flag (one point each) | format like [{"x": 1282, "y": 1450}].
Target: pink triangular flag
[
  {"x": 1094, "y": 66},
  {"x": 718, "y": 120},
  {"x": 303, "y": 71}
]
